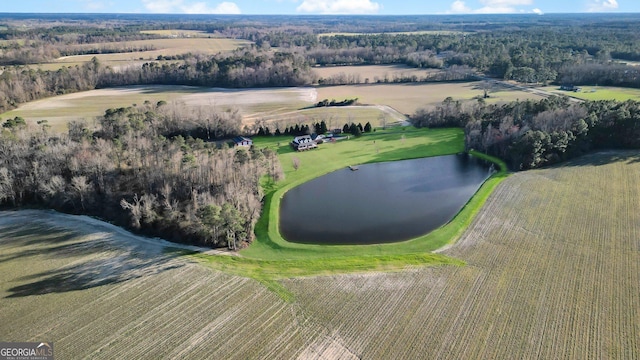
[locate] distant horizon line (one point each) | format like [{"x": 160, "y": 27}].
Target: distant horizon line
[{"x": 323, "y": 15}]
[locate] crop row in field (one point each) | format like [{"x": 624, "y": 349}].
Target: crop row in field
[
  {"x": 553, "y": 272},
  {"x": 99, "y": 293}
]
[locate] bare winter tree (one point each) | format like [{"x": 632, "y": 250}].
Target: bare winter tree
[
  {"x": 80, "y": 187},
  {"x": 6, "y": 186}
]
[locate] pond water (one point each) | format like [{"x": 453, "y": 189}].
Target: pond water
[{"x": 382, "y": 202}]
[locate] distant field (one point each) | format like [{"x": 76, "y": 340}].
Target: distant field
[
  {"x": 275, "y": 104},
  {"x": 165, "y": 47},
  {"x": 373, "y": 73},
  {"x": 628, "y": 62},
  {"x": 424, "y": 32},
  {"x": 7, "y": 42},
  {"x": 178, "y": 33},
  {"x": 88, "y": 105},
  {"x": 336, "y": 116},
  {"x": 407, "y": 98},
  {"x": 599, "y": 93}
]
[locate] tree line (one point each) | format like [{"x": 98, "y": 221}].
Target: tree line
[
  {"x": 240, "y": 69},
  {"x": 182, "y": 189},
  {"x": 530, "y": 134}
]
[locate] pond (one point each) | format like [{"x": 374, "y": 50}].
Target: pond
[{"x": 381, "y": 202}]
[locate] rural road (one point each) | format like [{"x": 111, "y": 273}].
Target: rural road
[{"x": 529, "y": 89}]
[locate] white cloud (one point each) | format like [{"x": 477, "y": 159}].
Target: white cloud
[
  {"x": 460, "y": 7},
  {"x": 490, "y": 7},
  {"x": 339, "y": 7},
  {"x": 602, "y": 5},
  {"x": 180, "y": 6}
]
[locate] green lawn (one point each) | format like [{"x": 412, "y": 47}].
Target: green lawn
[{"x": 270, "y": 257}]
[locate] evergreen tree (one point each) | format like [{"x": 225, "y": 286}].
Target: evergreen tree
[
  {"x": 367, "y": 127},
  {"x": 355, "y": 130}
]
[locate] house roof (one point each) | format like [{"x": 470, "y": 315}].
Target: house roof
[
  {"x": 239, "y": 139},
  {"x": 303, "y": 138}
]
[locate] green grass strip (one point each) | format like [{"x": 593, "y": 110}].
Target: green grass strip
[
  {"x": 271, "y": 258},
  {"x": 268, "y": 272}
]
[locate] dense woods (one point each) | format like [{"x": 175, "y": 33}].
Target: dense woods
[
  {"x": 576, "y": 50},
  {"x": 130, "y": 173},
  {"x": 530, "y": 134}
]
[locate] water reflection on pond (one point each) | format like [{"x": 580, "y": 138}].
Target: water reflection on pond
[{"x": 382, "y": 202}]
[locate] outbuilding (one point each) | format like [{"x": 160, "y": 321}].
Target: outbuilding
[{"x": 242, "y": 141}]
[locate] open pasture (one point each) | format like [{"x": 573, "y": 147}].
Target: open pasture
[
  {"x": 373, "y": 73},
  {"x": 598, "y": 93}
]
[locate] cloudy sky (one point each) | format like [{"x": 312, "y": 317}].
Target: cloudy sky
[{"x": 381, "y": 7}]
